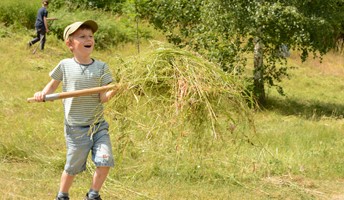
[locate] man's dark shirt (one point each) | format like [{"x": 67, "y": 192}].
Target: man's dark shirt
[{"x": 42, "y": 12}]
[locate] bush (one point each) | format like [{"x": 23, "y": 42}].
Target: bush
[
  {"x": 18, "y": 11},
  {"x": 112, "y": 30},
  {"x": 107, "y": 5}
]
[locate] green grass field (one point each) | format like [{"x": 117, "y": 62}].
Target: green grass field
[{"x": 296, "y": 152}]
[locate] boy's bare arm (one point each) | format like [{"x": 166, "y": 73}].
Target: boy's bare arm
[
  {"x": 51, "y": 86},
  {"x": 48, "y": 89}
]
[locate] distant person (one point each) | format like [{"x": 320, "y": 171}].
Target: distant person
[
  {"x": 84, "y": 125},
  {"x": 41, "y": 25}
]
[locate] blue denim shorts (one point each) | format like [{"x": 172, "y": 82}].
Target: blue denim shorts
[{"x": 81, "y": 140}]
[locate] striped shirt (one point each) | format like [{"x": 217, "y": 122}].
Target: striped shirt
[{"x": 84, "y": 110}]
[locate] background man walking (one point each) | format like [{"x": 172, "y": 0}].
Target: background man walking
[{"x": 41, "y": 25}]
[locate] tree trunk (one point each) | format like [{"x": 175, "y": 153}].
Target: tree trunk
[{"x": 259, "y": 90}]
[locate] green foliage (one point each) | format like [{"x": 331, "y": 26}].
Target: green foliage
[
  {"x": 18, "y": 12},
  {"x": 226, "y": 31},
  {"x": 113, "y": 31},
  {"x": 3, "y": 31},
  {"x": 106, "y": 5}
]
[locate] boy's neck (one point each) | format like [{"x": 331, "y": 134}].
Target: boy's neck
[{"x": 85, "y": 61}]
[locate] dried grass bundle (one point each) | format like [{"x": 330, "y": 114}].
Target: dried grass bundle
[{"x": 177, "y": 88}]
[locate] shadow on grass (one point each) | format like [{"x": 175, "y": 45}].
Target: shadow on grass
[{"x": 308, "y": 109}]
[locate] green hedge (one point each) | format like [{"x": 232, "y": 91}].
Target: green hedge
[
  {"x": 21, "y": 12},
  {"x": 107, "y": 5},
  {"x": 113, "y": 29}
]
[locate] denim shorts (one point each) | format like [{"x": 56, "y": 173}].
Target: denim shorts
[{"x": 81, "y": 140}]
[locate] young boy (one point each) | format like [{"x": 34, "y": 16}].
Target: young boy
[
  {"x": 85, "y": 128},
  {"x": 41, "y": 25}
]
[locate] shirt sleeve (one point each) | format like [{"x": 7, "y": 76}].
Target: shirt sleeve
[
  {"x": 57, "y": 72},
  {"x": 107, "y": 76},
  {"x": 45, "y": 13}
]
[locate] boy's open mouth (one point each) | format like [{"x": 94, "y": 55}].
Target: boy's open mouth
[{"x": 88, "y": 46}]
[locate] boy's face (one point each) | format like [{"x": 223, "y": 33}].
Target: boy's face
[{"x": 81, "y": 42}]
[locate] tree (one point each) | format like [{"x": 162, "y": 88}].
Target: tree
[{"x": 226, "y": 31}]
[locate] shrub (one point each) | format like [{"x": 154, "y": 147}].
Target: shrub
[
  {"x": 112, "y": 31},
  {"x": 107, "y": 5},
  {"x": 18, "y": 11}
]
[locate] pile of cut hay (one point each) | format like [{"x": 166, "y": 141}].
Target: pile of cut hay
[{"x": 170, "y": 89}]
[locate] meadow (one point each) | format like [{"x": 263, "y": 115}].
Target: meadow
[{"x": 171, "y": 148}]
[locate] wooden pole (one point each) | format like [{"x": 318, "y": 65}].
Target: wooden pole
[{"x": 77, "y": 93}]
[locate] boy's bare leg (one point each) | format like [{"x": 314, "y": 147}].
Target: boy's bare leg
[
  {"x": 66, "y": 182},
  {"x": 99, "y": 177}
]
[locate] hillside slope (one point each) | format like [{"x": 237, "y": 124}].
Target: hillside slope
[{"x": 297, "y": 153}]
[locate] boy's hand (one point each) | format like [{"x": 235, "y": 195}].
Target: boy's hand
[{"x": 39, "y": 96}]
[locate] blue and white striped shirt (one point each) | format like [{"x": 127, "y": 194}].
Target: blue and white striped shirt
[{"x": 84, "y": 110}]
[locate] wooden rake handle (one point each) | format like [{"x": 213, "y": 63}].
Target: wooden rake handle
[{"x": 77, "y": 93}]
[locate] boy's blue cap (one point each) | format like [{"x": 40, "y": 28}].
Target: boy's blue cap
[{"x": 69, "y": 30}]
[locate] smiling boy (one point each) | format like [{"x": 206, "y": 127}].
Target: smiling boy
[{"x": 85, "y": 127}]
